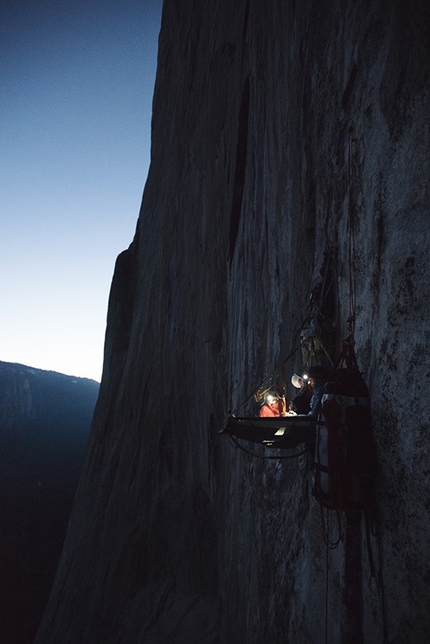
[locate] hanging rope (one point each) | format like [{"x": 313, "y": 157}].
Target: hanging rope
[
  {"x": 382, "y": 587},
  {"x": 320, "y": 294},
  {"x": 326, "y": 586},
  {"x": 331, "y": 545},
  {"x": 373, "y": 582},
  {"x": 319, "y": 339},
  {"x": 376, "y": 579},
  {"x": 351, "y": 239}
]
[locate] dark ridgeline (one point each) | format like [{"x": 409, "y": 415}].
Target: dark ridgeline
[
  {"x": 45, "y": 419},
  {"x": 281, "y": 130}
]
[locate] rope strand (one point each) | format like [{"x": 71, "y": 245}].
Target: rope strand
[
  {"x": 351, "y": 242},
  {"x": 326, "y": 586}
]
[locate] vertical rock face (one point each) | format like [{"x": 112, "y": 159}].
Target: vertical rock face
[
  {"x": 45, "y": 419},
  {"x": 281, "y": 130}
]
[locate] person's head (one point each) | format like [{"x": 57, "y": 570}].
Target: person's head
[
  {"x": 271, "y": 398},
  {"x": 297, "y": 381},
  {"x": 316, "y": 375}
]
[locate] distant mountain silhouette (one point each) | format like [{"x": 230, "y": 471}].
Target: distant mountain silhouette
[{"x": 45, "y": 419}]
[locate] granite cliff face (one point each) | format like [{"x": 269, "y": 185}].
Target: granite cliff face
[
  {"x": 280, "y": 130},
  {"x": 45, "y": 419}
]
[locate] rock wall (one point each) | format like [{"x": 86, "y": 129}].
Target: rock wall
[
  {"x": 45, "y": 420},
  {"x": 280, "y": 130}
]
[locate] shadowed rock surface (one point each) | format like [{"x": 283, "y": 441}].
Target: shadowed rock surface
[
  {"x": 45, "y": 419},
  {"x": 280, "y": 130}
]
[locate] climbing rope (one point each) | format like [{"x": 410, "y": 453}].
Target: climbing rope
[
  {"x": 376, "y": 579},
  {"x": 351, "y": 239},
  {"x": 331, "y": 545},
  {"x": 373, "y": 582},
  {"x": 326, "y": 585}
]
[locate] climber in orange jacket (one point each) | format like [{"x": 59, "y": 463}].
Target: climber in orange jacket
[{"x": 273, "y": 405}]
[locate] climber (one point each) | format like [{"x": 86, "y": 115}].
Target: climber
[
  {"x": 301, "y": 401},
  {"x": 317, "y": 377},
  {"x": 272, "y": 405}
]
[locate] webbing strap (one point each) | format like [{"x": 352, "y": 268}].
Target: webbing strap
[{"x": 373, "y": 582}]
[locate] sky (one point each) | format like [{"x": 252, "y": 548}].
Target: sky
[{"x": 76, "y": 86}]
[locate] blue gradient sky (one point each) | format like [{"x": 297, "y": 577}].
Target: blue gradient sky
[{"x": 77, "y": 80}]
